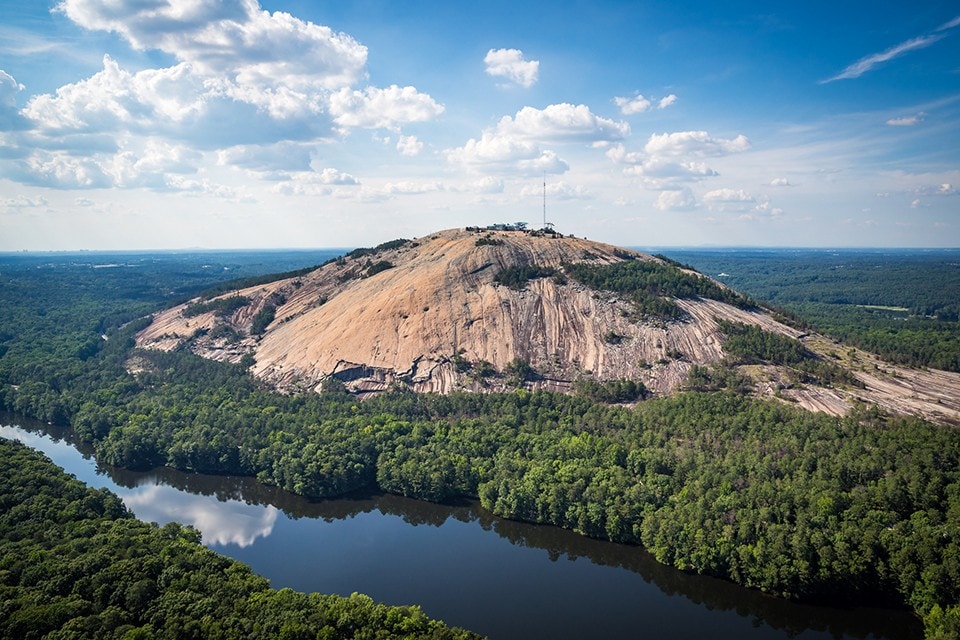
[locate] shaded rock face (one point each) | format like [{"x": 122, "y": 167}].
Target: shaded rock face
[{"x": 429, "y": 314}]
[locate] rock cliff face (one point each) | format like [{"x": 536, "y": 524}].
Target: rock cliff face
[{"x": 430, "y": 314}]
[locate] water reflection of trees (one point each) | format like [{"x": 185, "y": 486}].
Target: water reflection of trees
[{"x": 716, "y": 595}]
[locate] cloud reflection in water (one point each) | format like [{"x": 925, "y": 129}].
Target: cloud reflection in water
[{"x": 220, "y": 522}]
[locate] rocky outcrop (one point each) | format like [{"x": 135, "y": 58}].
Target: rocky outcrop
[
  {"x": 429, "y": 314},
  {"x": 432, "y": 316}
]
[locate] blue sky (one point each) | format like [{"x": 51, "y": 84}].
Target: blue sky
[{"x": 147, "y": 124}]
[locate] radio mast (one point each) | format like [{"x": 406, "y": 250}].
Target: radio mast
[
  {"x": 547, "y": 226},
  {"x": 544, "y": 199}
]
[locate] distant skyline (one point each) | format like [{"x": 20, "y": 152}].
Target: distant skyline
[{"x": 167, "y": 124}]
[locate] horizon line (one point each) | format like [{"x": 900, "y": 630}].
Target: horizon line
[{"x": 704, "y": 247}]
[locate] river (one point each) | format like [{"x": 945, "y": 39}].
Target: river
[{"x": 461, "y": 564}]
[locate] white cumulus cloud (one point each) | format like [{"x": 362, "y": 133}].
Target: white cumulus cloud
[
  {"x": 671, "y": 158},
  {"x": 517, "y": 142},
  {"x": 494, "y": 148},
  {"x": 231, "y": 38},
  {"x": 630, "y": 106},
  {"x": 114, "y": 99},
  {"x": 9, "y": 88},
  {"x": 666, "y": 101},
  {"x": 695, "y": 143},
  {"x": 60, "y": 170},
  {"x": 243, "y": 79},
  {"x": 510, "y": 64},
  {"x": 730, "y": 200},
  {"x": 668, "y": 168},
  {"x": 639, "y": 104},
  {"x": 676, "y": 200},
  {"x": 546, "y": 162},
  {"x": 314, "y": 183},
  {"x": 409, "y": 146},
  {"x": 727, "y": 195},
  {"x": 563, "y": 123},
  {"x": 767, "y": 211},
  {"x": 374, "y": 108},
  {"x": 333, "y": 176},
  {"x": 149, "y": 166}
]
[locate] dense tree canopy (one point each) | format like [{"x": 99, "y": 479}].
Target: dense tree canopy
[
  {"x": 794, "y": 503},
  {"x": 650, "y": 284}
]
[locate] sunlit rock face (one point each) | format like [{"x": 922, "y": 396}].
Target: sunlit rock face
[{"x": 428, "y": 313}]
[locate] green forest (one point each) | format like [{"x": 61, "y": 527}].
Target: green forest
[
  {"x": 74, "y": 563},
  {"x": 902, "y": 305},
  {"x": 864, "y": 508}
]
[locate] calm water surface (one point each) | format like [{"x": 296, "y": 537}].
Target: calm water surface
[{"x": 461, "y": 564}]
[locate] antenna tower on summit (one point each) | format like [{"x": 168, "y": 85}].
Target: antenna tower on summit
[
  {"x": 544, "y": 199},
  {"x": 547, "y": 226}
]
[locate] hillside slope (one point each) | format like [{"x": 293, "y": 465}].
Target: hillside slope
[{"x": 431, "y": 314}]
